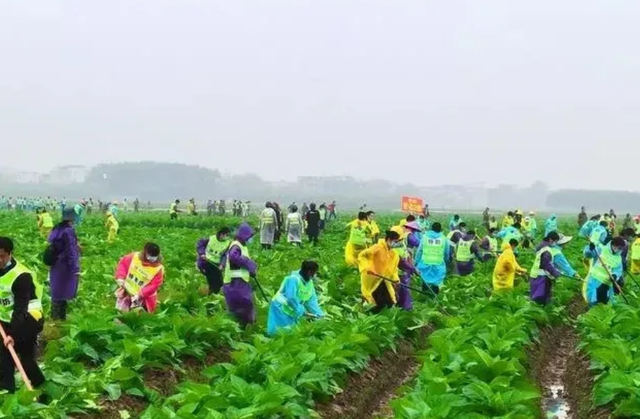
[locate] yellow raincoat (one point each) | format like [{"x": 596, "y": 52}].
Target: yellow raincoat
[
  {"x": 382, "y": 260},
  {"x": 634, "y": 253},
  {"x": 374, "y": 230},
  {"x": 112, "y": 226},
  {"x": 505, "y": 271},
  {"x": 358, "y": 241},
  {"x": 507, "y": 221}
]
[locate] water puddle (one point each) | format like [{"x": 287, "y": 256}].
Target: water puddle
[{"x": 555, "y": 405}]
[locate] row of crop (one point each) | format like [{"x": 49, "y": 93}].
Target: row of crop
[
  {"x": 284, "y": 376},
  {"x": 611, "y": 339}
]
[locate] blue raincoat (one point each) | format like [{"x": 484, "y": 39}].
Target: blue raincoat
[
  {"x": 288, "y": 295},
  {"x": 590, "y": 288},
  {"x": 433, "y": 274},
  {"x": 550, "y": 225}
]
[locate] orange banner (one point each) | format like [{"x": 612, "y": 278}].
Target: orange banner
[{"x": 411, "y": 204}]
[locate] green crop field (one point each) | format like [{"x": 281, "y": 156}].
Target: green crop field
[{"x": 476, "y": 356}]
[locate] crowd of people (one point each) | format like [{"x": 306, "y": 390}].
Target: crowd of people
[{"x": 387, "y": 260}]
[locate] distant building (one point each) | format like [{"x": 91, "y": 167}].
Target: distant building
[{"x": 67, "y": 175}]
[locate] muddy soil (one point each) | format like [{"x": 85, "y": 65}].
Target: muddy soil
[
  {"x": 111, "y": 409},
  {"x": 367, "y": 394},
  {"x": 562, "y": 372}
]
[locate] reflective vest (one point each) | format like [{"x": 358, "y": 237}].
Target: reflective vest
[
  {"x": 493, "y": 224},
  {"x": 267, "y": 217},
  {"x": 358, "y": 234},
  {"x": 610, "y": 260},
  {"x": 47, "y": 221},
  {"x": 215, "y": 249},
  {"x": 242, "y": 273},
  {"x": 139, "y": 275},
  {"x": 402, "y": 251},
  {"x": 323, "y": 213},
  {"x": 6, "y": 294},
  {"x": 463, "y": 251},
  {"x": 635, "y": 249},
  {"x": 173, "y": 209},
  {"x": 433, "y": 250},
  {"x": 536, "y": 270},
  {"x": 305, "y": 292},
  {"x": 596, "y": 233},
  {"x": 493, "y": 243}
]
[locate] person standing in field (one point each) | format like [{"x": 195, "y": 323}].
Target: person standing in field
[
  {"x": 174, "y": 210},
  {"x": 139, "y": 276},
  {"x": 279, "y": 221},
  {"x": 312, "y": 217},
  {"x": 466, "y": 252},
  {"x": 634, "y": 265},
  {"x": 45, "y": 222},
  {"x": 506, "y": 268},
  {"x": 373, "y": 231},
  {"x": 239, "y": 269},
  {"x": 295, "y": 299},
  {"x": 508, "y": 220},
  {"x": 22, "y": 318},
  {"x": 64, "y": 275},
  {"x": 357, "y": 239},
  {"x": 543, "y": 272},
  {"x": 268, "y": 226},
  {"x": 294, "y": 226},
  {"x": 210, "y": 252},
  {"x": 582, "y": 217},
  {"x": 606, "y": 267},
  {"x": 485, "y": 218},
  {"x": 304, "y": 209},
  {"x": 323, "y": 216},
  {"x": 377, "y": 262},
  {"x": 432, "y": 256},
  {"x": 112, "y": 227},
  {"x": 405, "y": 267},
  {"x": 489, "y": 245},
  {"x": 331, "y": 209}
]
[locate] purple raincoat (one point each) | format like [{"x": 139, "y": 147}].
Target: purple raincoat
[
  {"x": 238, "y": 293},
  {"x": 64, "y": 272},
  {"x": 466, "y": 268},
  {"x": 403, "y": 294},
  {"x": 201, "y": 249},
  {"x": 541, "y": 285}
]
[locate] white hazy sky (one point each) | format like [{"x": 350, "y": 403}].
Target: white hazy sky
[{"x": 448, "y": 91}]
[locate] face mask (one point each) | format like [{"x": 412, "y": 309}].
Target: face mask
[
  {"x": 396, "y": 245},
  {"x": 7, "y": 264},
  {"x": 152, "y": 258},
  {"x": 617, "y": 251},
  {"x": 250, "y": 240}
]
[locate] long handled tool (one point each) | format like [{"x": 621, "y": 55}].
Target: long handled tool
[
  {"x": 416, "y": 290},
  {"x": 615, "y": 283},
  {"x": 255, "y": 279},
  {"x": 16, "y": 360}
]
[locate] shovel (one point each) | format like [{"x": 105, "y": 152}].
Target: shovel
[{"x": 16, "y": 360}]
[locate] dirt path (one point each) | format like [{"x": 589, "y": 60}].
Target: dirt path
[
  {"x": 366, "y": 392},
  {"x": 563, "y": 373}
]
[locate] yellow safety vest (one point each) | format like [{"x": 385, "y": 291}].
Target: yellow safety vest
[
  {"x": 215, "y": 249},
  {"x": 47, "y": 221},
  {"x": 536, "y": 271},
  {"x": 610, "y": 260},
  {"x": 139, "y": 275},
  {"x": 463, "y": 251},
  {"x": 6, "y": 294},
  {"x": 230, "y": 274}
]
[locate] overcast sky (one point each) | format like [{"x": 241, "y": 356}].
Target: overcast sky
[{"x": 431, "y": 92}]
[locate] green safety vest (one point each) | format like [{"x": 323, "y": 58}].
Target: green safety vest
[
  {"x": 493, "y": 244},
  {"x": 358, "y": 236},
  {"x": 536, "y": 271},
  {"x": 215, "y": 249},
  {"x": 433, "y": 251},
  {"x": 463, "y": 251},
  {"x": 47, "y": 221},
  {"x": 451, "y": 233},
  {"x": 305, "y": 292},
  {"x": 610, "y": 260},
  {"x": 402, "y": 251},
  {"x": 6, "y": 294},
  {"x": 595, "y": 235},
  {"x": 242, "y": 273}
]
